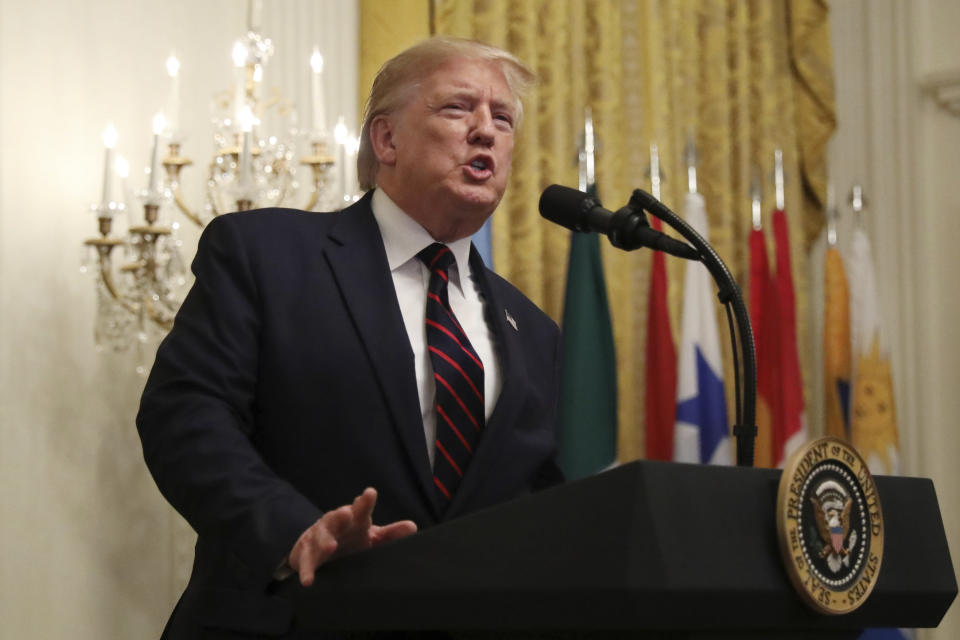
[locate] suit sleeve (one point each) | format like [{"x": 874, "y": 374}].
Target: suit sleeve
[
  {"x": 550, "y": 473},
  {"x": 196, "y": 415}
]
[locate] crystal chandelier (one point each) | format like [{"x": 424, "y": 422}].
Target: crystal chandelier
[{"x": 138, "y": 269}]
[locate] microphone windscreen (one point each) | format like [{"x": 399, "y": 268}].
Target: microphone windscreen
[{"x": 566, "y": 207}]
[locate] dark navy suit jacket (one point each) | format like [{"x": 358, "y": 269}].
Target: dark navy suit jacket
[{"x": 287, "y": 386}]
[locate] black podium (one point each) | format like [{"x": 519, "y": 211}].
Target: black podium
[{"x": 645, "y": 550}]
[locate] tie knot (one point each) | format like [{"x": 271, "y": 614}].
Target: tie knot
[{"x": 437, "y": 256}]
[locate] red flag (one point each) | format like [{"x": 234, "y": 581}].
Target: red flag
[
  {"x": 790, "y": 431},
  {"x": 661, "y": 365},
  {"x": 764, "y": 317}
]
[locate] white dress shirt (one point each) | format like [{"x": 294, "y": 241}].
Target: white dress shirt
[{"x": 403, "y": 239}]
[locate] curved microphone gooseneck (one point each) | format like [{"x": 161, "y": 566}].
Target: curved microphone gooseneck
[{"x": 745, "y": 429}]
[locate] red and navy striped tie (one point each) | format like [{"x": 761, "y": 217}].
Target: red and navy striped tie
[{"x": 458, "y": 373}]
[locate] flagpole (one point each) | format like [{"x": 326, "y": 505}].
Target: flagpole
[
  {"x": 691, "y": 155},
  {"x": 756, "y": 208},
  {"x": 655, "y": 176},
  {"x": 778, "y": 179},
  {"x": 832, "y": 215},
  {"x": 587, "y": 162},
  {"x": 857, "y": 202}
]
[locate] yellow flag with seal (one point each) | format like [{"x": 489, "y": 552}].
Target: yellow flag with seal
[{"x": 836, "y": 346}]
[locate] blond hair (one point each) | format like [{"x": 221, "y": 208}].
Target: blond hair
[{"x": 397, "y": 79}]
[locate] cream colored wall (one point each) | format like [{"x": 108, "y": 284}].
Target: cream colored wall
[
  {"x": 894, "y": 138},
  {"x": 88, "y": 547}
]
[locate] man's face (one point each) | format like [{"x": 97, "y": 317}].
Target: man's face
[{"x": 450, "y": 148}]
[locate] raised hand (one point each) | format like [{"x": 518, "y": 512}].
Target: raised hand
[{"x": 341, "y": 531}]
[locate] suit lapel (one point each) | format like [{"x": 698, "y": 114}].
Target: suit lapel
[
  {"x": 359, "y": 265},
  {"x": 512, "y": 390}
]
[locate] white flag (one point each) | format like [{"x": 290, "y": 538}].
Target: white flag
[
  {"x": 873, "y": 416},
  {"x": 701, "y": 433}
]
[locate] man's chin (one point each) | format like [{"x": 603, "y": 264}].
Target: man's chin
[
  {"x": 466, "y": 219},
  {"x": 478, "y": 200}
]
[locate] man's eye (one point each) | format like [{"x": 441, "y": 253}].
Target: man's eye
[
  {"x": 506, "y": 119},
  {"x": 454, "y": 105}
]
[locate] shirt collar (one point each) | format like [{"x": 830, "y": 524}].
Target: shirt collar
[{"x": 404, "y": 237}]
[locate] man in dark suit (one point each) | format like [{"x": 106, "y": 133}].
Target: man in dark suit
[{"x": 299, "y": 387}]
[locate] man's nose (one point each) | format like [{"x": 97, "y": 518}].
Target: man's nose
[{"x": 483, "y": 130}]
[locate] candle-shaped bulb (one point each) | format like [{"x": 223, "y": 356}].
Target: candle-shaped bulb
[
  {"x": 173, "y": 66},
  {"x": 240, "y": 82},
  {"x": 110, "y": 136},
  {"x": 353, "y": 145},
  {"x": 258, "y": 73},
  {"x": 122, "y": 167},
  {"x": 239, "y": 54},
  {"x": 316, "y": 86},
  {"x": 253, "y": 15},
  {"x": 173, "y": 98},
  {"x": 159, "y": 122},
  {"x": 247, "y": 119},
  {"x": 109, "y": 141},
  {"x": 340, "y": 131},
  {"x": 341, "y": 136}
]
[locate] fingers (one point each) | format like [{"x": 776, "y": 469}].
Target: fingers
[
  {"x": 363, "y": 505},
  {"x": 312, "y": 558},
  {"x": 352, "y": 528},
  {"x": 343, "y": 530},
  {"x": 314, "y": 547},
  {"x": 392, "y": 531},
  {"x": 338, "y": 522}
]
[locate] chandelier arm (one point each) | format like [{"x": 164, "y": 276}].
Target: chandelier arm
[
  {"x": 163, "y": 321},
  {"x": 211, "y": 193},
  {"x": 312, "y": 202},
  {"x": 185, "y": 210},
  {"x": 107, "y": 277},
  {"x": 271, "y": 101},
  {"x": 319, "y": 164}
]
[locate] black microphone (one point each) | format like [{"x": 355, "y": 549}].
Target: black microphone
[{"x": 627, "y": 228}]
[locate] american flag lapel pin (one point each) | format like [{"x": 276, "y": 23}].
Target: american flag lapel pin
[{"x": 510, "y": 320}]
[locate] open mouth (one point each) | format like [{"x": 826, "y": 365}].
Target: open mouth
[{"x": 480, "y": 168}]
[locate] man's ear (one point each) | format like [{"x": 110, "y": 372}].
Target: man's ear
[{"x": 381, "y": 138}]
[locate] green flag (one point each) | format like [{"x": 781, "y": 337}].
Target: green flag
[{"x": 588, "y": 383}]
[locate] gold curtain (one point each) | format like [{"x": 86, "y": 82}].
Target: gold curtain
[
  {"x": 740, "y": 78},
  {"x": 386, "y": 29}
]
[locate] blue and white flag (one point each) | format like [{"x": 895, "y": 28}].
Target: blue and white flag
[
  {"x": 484, "y": 243},
  {"x": 701, "y": 433}
]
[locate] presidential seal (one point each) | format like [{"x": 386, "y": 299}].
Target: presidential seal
[{"x": 830, "y": 526}]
